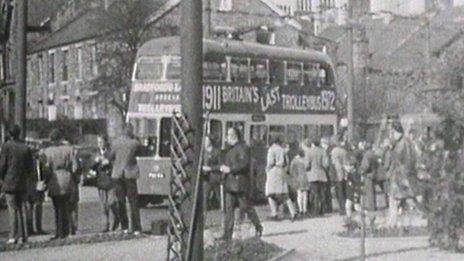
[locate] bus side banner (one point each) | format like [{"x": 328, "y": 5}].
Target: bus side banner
[{"x": 249, "y": 98}]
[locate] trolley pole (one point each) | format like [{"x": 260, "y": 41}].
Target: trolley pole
[
  {"x": 21, "y": 74},
  {"x": 191, "y": 100}
]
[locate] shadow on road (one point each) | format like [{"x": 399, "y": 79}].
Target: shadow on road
[{"x": 385, "y": 253}]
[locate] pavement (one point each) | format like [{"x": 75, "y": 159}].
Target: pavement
[
  {"x": 310, "y": 239},
  {"x": 317, "y": 239}
]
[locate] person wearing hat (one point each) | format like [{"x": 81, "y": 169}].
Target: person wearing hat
[
  {"x": 16, "y": 165},
  {"x": 61, "y": 179},
  {"x": 401, "y": 166}
]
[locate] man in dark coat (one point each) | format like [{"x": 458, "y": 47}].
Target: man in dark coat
[
  {"x": 236, "y": 168},
  {"x": 16, "y": 165},
  {"x": 125, "y": 174}
]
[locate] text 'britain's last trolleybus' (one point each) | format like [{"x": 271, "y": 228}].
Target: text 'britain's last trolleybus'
[{"x": 260, "y": 89}]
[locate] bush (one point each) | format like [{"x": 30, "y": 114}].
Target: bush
[{"x": 250, "y": 249}]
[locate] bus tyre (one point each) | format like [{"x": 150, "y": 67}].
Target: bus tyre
[{"x": 143, "y": 201}]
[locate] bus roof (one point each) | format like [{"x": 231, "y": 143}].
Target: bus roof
[{"x": 220, "y": 47}]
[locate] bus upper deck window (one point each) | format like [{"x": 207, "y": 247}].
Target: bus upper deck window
[
  {"x": 214, "y": 71},
  {"x": 174, "y": 69},
  {"x": 294, "y": 73},
  {"x": 277, "y": 72},
  {"x": 239, "y": 70},
  {"x": 311, "y": 76},
  {"x": 322, "y": 76},
  {"x": 259, "y": 71},
  {"x": 149, "y": 69}
]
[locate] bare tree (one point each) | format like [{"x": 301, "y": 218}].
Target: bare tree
[{"x": 124, "y": 30}]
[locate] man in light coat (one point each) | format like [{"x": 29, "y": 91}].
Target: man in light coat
[
  {"x": 16, "y": 166},
  {"x": 317, "y": 162},
  {"x": 125, "y": 174},
  {"x": 61, "y": 179},
  {"x": 338, "y": 156}
]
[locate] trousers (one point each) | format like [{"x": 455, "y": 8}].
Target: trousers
[
  {"x": 14, "y": 202},
  {"x": 62, "y": 215},
  {"x": 127, "y": 188},
  {"x": 316, "y": 195},
  {"x": 232, "y": 200}
]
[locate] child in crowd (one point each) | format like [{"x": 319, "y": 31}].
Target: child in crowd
[{"x": 298, "y": 173}]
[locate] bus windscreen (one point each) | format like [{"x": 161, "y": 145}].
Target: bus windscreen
[{"x": 149, "y": 69}]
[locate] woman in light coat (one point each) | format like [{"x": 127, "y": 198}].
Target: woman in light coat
[{"x": 276, "y": 178}]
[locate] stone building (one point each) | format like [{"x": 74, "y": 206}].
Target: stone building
[
  {"x": 63, "y": 63},
  {"x": 403, "y": 60}
]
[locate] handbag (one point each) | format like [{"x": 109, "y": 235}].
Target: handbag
[
  {"x": 104, "y": 180},
  {"x": 89, "y": 178}
]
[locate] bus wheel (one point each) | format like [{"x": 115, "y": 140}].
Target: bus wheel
[{"x": 143, "y": 201}]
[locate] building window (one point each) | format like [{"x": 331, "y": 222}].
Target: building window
[
  {"x": 93, "y": 60},
  {"x": 225, "y": 5},
  {"x": 79, "y": 63},
  {"x": 40, "y": 67},
  {"x": 2, "y": 69},
  {"x": 51, "y": 67},
  {"x": 65, "y": 65}
]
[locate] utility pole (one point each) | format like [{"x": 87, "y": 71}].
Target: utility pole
[
  {"x": 350, "y": 90},
  {"x": 207, "y": 19},
  {"x": 21, "y": 74},
  {"x": 191, "y": 100}
]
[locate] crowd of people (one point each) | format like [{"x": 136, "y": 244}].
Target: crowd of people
[
  {"x": 55, "y": 170},
  {"x": 320, "y": 169},
  {"x": 331, "y": 170}
]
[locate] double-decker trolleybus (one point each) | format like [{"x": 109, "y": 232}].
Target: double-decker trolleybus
[{"x": 261, "y": 89}]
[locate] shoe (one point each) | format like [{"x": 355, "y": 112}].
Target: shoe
[
  {"x": 11, "y": 241},
  {"x": 105, "y": 230},
  {"x": 115, "y": 226},
  {"x": 54, "y": 238},
  {"x": 126, "y": 231},
  {"x": 293, "y": 218},
  {"x": 41, "y": 232},
  {"x": 222, "y": 238},
  {"x": 136, "y": 233},
  {"x": 259, "y": 231},
  {"x": 273, "y": 218}
]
